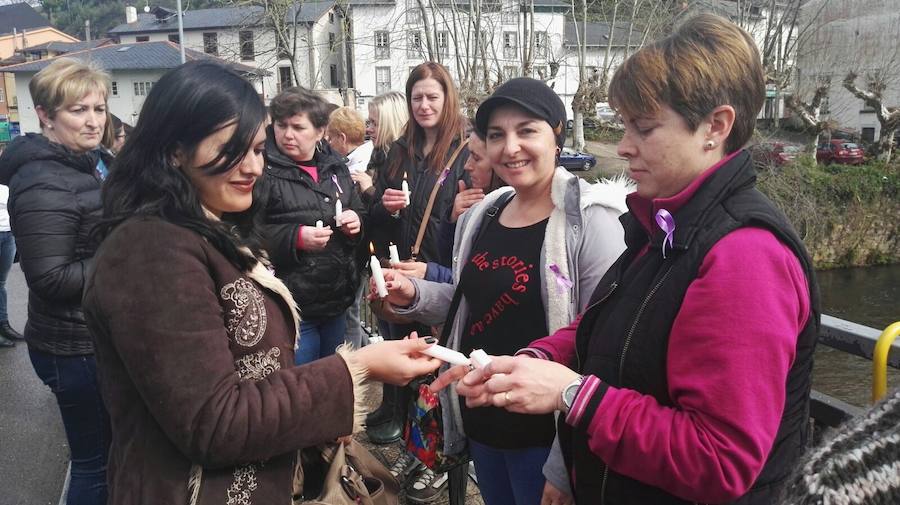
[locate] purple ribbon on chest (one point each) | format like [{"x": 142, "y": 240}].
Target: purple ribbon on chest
[
  {"x": 666, "y": 223},
  {"x": 562, "y": 282},
  {"x": 336, "y": 183},
  {"x": 443, "y": 176}
]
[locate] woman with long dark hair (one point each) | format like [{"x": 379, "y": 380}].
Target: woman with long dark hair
[{"x": 194, "y": 334}]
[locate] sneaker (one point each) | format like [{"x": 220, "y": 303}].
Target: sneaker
[
  {"x": 427, "y": 487},
  {"x": 404, "y": 466}
]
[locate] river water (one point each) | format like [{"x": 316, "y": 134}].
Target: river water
[{"x": 869, "y": 296}]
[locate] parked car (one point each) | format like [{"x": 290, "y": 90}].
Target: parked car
[
  {"x": 774, "y": 154},
  {"x": 589, "y": 123},
  {"x": 607, "y": 114},
  {"x": 574, "y": 160},
  {"x": 840, "y": 151}
]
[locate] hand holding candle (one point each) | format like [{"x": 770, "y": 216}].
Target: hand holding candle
[{"x": 377, "y": 274}]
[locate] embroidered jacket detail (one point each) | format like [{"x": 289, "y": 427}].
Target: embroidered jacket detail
[
  {"x": 246, "y": 321},
  {"x": 258, "y": 365},
  {"x": 243, "y": 485}
]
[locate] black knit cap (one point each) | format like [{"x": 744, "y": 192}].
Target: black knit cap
[{"x": 532, "y": 95}]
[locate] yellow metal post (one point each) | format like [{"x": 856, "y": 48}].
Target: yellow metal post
[{"x": 879, "y": 360}]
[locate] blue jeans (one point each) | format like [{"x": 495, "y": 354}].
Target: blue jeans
[
  {"x": 73, "y": 379},
  {"x": 7, "y": 253},
  {"x": 320, "y": 337},
  {"x": 509, "y": 476}
]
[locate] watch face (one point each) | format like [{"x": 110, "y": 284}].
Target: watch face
[{"x": 569, "y": 395}]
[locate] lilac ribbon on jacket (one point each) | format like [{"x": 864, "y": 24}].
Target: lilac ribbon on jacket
[
  {"x": 443, "y": 176},
  {"x": 666, "y": 223},
  {"x": 336, "y": 183},
  {"x": 562, "y": 282}
]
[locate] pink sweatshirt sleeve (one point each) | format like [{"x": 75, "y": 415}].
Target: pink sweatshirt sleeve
[
  {"x": 730, "y": 350},
  {"x": 559, "y": 347}
]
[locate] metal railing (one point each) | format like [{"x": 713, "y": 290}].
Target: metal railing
[{"x": 861, "y": 341}]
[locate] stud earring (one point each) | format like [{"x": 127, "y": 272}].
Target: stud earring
[{"x": 710, "y": 145}]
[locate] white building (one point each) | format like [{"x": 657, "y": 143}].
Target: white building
[
  {"x": 390, "y": 38},
  {"x": 851, "y": 35},
  {"x": 133, "y": 69},
  {"x": 244, "y": 35}
]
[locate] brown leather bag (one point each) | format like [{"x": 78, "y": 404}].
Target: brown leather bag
[
  {"x": 353, "y": 477},
  {"x": 381, "y": 307}
]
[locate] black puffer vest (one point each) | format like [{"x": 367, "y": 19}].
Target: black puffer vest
[{"x": 635, "y": 306}]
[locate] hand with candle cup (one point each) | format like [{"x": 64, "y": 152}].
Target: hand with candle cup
[
  {"x": 393, "y": 200},
  {"x": 411, "y": 269},
  {"x": 350, "y": 223},
  {"x": 313, "y": 238},
  {"x": 398, "y": 361}
]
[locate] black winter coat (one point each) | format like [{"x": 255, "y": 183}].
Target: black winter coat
[
  {"x": 54, "y": 202},
  {"x": 323, "y": 283},
  {"x": 421, "y": 180}
]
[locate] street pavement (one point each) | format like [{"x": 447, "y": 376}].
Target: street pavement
[{"x": 33, "y": 451}]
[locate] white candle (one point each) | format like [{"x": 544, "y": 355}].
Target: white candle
[
  {"x": 404, "y": 186},
  {"x": 319, "y": 224},
  {"x": 377, "y": 274},
  {"x": 395, "y": 255},
  {"x": 338, "y": 210}
]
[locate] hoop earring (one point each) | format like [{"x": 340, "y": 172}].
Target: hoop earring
[{"x": 709, "y": 146}]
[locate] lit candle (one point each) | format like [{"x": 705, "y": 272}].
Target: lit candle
[
  {"x": 377, "y": 274},
  {"x": 319, "y": 224},
  {"x": 405, "y": 187},
  {"x": 338, "y": 210},
  {"x": 395, "y": 255}
]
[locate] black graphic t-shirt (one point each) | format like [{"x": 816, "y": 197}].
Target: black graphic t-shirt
[{"x": 502, "y": 283}]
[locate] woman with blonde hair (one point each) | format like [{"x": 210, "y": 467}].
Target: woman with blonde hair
[
  {"x": 387, "y": 120},
  {"x": 54, "y": 180}
]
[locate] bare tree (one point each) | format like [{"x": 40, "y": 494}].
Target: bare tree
[
  {"x": 873, "y": 97},
  {"x": 810, "y": 113}
]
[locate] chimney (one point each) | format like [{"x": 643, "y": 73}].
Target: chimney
[{"x": 130, "y": 14}]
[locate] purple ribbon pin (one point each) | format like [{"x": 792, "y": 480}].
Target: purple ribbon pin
[
  {"x": 443, "y": 176},
  {"x": 336, "y": 183},
  {"x": 562, "y": 282},
  {"x": 666, "y": 223}
]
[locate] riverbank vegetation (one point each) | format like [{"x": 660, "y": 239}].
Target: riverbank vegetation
[{"x": 846, "y": 215}]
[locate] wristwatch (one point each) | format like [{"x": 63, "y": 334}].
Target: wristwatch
[{"x": 569, "y": 392}]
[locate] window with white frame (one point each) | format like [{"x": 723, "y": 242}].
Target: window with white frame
[
  {"x": 114, "y": 88},
  {"x": 331, "y": 41},
  {"x": 510, "y": 48},
  {"x": 333, "y": 73},
  {"x": 382, "y": 45},
  {"x": 142, "y": 88},
  {"x": 245, "y": 41},
  {"x": 413, "y": 13},
  {"x": 510, "y": 13},
  {"x": 382, "y": 80},
  {"x": 211, "y": 43},
  {"x": 414, "y": 44},
  {"x": 540, "y": 44},
  {"x": 443, "y": 43}
]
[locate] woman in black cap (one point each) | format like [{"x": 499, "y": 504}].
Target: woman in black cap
[{"x": 524, "y": 266}]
